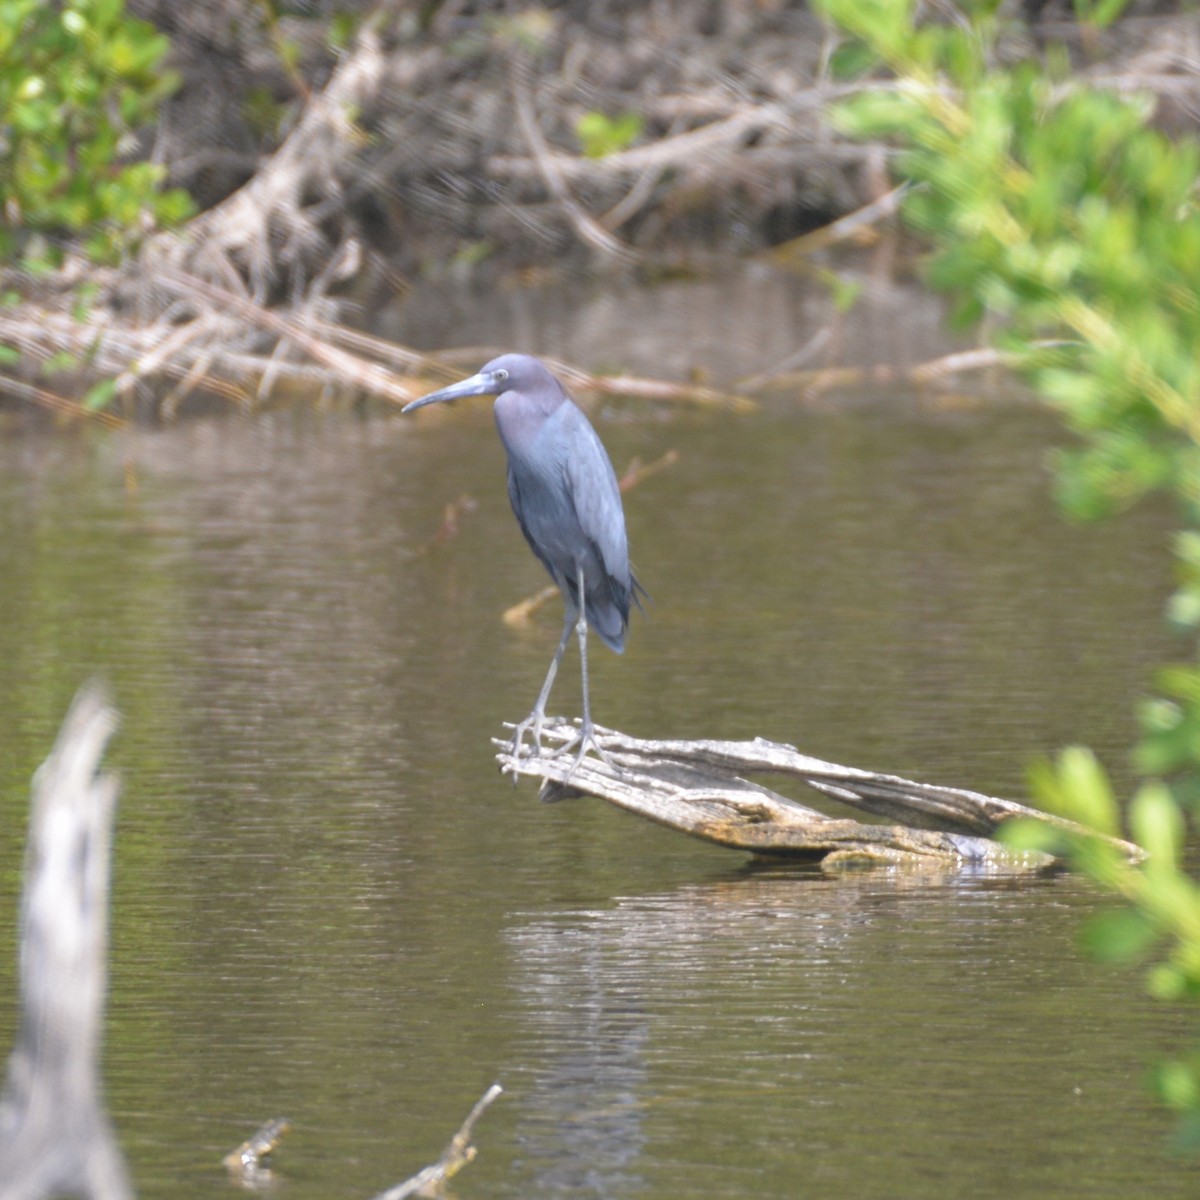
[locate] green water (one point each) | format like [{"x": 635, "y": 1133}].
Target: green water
[{"x": 329, "y": 906}]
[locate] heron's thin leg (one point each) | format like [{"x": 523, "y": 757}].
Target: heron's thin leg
[
  {"x": 587, "y": 733},
  {"x": 581, "y": 633},
  {"x": 533, "y": 722}
]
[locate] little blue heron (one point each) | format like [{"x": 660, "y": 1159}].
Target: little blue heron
[{"x": 564, "y": 492}]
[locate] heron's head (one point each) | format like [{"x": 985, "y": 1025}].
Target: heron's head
[{"x": 508, "y": 373}]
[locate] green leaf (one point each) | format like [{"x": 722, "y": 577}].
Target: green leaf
[
  {"x": 842, "y": 291},
  {"x": 1177, "y": 1085},
  {"x": 852, "y": 60},
  {"x": 1028, "y": 833},
  {"x": 100, "y": 395},
  {"x": 1157, "y": 824},
  {"x": 600, "y": 135},
  {"x": 1122, "y": 935},
  {"x": 64, "y": 360},
  {"x": 1165, "y": 981},
  {"x": 1183, "y": 609},
  {"x": 1077, "y": 787},
  {"x": 342, "y": 28}
]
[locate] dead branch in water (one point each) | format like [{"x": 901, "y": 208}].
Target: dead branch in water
[
  {"x": 458, "y": 1152},
  {"x": 699, "y": 788},
  {"x": 227, "y": 345},
  {"x": 55, "y": 1137},
  {"x": 248, "y": 1165}
]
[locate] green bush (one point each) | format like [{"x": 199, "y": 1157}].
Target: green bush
[
  {"x": 77, "y": 78},
  {"x": 1055, "y": 212}
]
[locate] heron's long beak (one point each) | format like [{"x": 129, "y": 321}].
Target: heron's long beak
[{"x": 483, "y": 384}]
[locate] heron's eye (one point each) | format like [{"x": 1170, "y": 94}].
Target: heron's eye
[{"x": 501, "y": 374}]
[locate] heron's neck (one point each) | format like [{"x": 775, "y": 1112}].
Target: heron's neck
[{"x": 520, "y": 419}]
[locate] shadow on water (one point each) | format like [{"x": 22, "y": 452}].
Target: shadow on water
[{"x": 328, "y": 904}]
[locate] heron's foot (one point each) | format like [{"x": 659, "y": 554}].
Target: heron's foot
[
  {"x": 532, "y": 725},
  {"x": 584, "y": 741}
]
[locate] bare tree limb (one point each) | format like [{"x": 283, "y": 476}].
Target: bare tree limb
[
  {"x": 588, "y": 229},
  {"x": 457, "y": 1154}
]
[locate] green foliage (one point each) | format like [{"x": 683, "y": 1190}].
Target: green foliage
[
  {"x": 1055, "y": 209},
  {"x": 77, "y": 77},
  {"x": 1100, "y": 13},
  {"x": 600, "y": 135},
  {"x": 1057, "y": 213},
  {"x": 842, "y": 291}
]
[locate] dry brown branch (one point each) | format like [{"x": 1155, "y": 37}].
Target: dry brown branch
[
  {"x": 818, "y": 381},
  {"x": 271, "y": 225},
  {"x": 818, "y": 342},
  {"x": 937, "y": 369},
  {"x": 584, "y": 225},
  {"x": 852, "y": 225},
  {"x": 59, "y": 404},
  {"x": 934, "y": 371},
  {"x": 699, "y": 788},
  {"x": 638, "y": 472},
  {"x": 682, "y": 149},
  {"x": 349, "y": 368},
  {"x": 640, "y": 388},
  {"x": 55, "y": 1137},
  {"x": 522, "y": 613},
  {"x": 414, "y": 362}
]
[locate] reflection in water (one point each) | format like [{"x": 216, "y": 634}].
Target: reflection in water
[
  {"x": 761, "y": 1027},
  {"x": 583, "y": 1109}
]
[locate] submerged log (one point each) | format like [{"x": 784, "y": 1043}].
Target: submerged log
[{"x": 700, "y": 788}]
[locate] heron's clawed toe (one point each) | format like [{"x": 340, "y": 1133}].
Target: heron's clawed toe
[
  {"x": 532, "y": 725},
  {"x": 584, "y": 741}
]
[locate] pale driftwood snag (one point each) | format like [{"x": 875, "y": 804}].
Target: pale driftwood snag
[
  {"x": 699, "y": 788},
  {"x": 55, "y": 1138}
]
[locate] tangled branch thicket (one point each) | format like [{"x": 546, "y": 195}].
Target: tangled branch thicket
[{"x": 456, "y": 145}]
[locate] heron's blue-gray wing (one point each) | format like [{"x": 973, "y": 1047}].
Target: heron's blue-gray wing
[
  {"x": 526, "y": 509},
  {"x": 592, "y": 485}
]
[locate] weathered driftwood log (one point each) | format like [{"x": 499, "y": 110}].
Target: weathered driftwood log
[
  {"x": 699, "y": 787},
  {"x": 54, "y": 1135}
]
